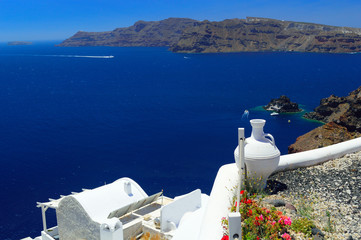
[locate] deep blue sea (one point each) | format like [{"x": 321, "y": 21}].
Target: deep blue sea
[{"x": 169, "y": 121}]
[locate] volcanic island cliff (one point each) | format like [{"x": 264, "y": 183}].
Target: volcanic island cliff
[
  {"x": 231, "y": 35},
  {"x": 342, "y": 118},
  {"x": 142, "y": 34}
]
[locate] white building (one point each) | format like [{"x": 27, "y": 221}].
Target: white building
[{"x": 117, "y": 211}]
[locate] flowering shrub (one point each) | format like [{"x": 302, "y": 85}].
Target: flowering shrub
[{"x": 259, "y": 222}]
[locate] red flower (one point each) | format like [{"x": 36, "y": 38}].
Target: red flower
[
  {"x": 242, "y": 192},
  {"x": 225, "y": 237},
  {"x": 250, "y": 212},
  {"x": 257, "y": 238}
]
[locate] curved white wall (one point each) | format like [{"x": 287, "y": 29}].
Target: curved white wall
[
  {"x": 227, "y": 178},
  {"x": 219, "y": 201},
  {"x": 317, "y": 156},
  {"x": 190, "y": 224}
]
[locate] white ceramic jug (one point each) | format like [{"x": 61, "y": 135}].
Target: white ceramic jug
[{"x": 261, "y": 155}]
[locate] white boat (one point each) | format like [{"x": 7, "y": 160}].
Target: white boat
[{"x": 275, "y": 114}]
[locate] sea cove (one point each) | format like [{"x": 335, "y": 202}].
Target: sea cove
[{"x": 166, "y": 120}]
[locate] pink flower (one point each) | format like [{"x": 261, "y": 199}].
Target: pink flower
[
  {"x": 261, "y": 217},
  {"x": 273, "y": 223},
  {"x": 288, "y": 221},
  {"x": 285, "y": 220},
  {"x": 286, "y": 236}
]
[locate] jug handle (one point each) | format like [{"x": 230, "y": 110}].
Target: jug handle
[{"x": 271, "y": 137}]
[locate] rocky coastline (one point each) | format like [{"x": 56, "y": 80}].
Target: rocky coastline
[
  {"x": 232, "y": 35},
  {"x": 342, "y": 118},
  {"x": 345, "y": 111}
]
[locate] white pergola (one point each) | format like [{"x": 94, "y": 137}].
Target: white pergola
[{"x": 53, "y": 203}]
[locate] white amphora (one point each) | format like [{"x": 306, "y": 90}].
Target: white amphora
[{"x": 261, "y": 155}]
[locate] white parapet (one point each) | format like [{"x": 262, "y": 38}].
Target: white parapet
[
  {"x": 190, "y": 224},
  {"x": 220, "y": 200},
  {"x": 171, "y": 214},
  {"x": 317, "y": 156}
]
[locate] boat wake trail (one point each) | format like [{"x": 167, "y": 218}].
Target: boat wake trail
[
  {"x": 76, "y": 56},
  {"x": 58, "y": 55}
]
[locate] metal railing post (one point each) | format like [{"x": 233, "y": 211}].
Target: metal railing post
[{"x": 234, "y": 218}]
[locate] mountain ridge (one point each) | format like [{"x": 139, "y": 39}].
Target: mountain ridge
[
  {"x": 231, "y": 35},
  {"x": 264, "y": 34},
  {"x": 141, "y": 34}
]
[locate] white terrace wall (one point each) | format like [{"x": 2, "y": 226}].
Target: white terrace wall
[{"x": 227, "y": 178}]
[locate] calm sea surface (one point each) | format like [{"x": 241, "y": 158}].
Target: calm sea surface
[{"x": 169, "y": 121}]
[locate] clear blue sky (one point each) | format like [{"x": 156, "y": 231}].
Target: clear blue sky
[{"x": 60, "y": 19}]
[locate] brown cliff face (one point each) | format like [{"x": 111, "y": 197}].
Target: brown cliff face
[
  {"x": 343, "y": 118},
  {"x": 345, "y": 111},
  {"x": 232, "y": 35},
  {"x": 328, "y": 134},
  {"x": 260, "y": 34},
  {"x": 142, "y": 33}
]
